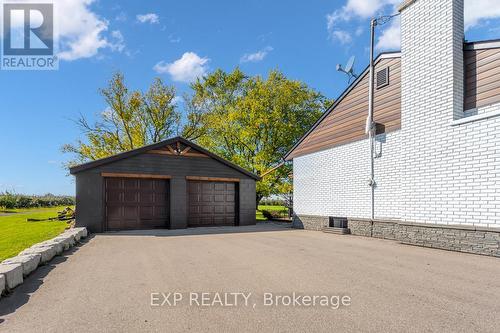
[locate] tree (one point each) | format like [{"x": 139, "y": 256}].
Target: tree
[
  {"x": 252, "y": 121},
  {"x": 132, "y": 119}
]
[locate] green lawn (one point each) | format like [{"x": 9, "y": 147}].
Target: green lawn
[
  {"x": 260, "y": 217},
  {"x": 16, "y": 233}
]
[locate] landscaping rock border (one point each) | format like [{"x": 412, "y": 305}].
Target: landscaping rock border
[
  {"x": 13, "y": 270},
  {"x": 2, "y": 284}
]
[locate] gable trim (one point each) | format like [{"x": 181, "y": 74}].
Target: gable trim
[{"x": 157, "y": 146}]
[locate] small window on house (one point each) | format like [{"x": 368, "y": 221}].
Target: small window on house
[{"x": 383, "y": 78}]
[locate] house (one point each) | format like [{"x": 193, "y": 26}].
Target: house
[
  {"x": 437, "y": 151},
  {"x": 171, "y": 184}
]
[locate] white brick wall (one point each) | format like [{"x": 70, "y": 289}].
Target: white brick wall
[
  {"x": 334, "y": 182},
  {"x": 451, "y": 173},
  {"x": 430, "y": 171}
]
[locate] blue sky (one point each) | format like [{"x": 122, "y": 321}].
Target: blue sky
[{"x": 179, "y": 40}]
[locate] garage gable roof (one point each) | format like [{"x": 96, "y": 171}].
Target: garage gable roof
[{"x": 137, "y": 151}]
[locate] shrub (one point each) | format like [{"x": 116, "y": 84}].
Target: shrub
[
  {"x": 8, "y": 201},
  {"x": 272, "y": 202},
  {"x": 11, "y": 201},
  {"x": 24, "y": 202},
  {"x": 267, "y": 214}
]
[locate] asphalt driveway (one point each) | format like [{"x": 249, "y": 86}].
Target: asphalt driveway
[{"x": 106, "y": 284}]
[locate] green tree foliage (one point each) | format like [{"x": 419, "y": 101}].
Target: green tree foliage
[
  {"x": 252, "y": 121},
  {"x": 132, "y": 119}
]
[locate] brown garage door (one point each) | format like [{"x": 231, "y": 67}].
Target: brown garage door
[
  {"x": 211, "y": 203},
  {"x": 136, "y": 203}
]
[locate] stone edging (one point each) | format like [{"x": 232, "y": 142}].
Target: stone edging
[{"x": 13, "y": 270}]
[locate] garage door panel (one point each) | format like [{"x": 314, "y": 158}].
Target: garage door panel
[
  {"x": 207, "y": 209},
  {"x": 147, "y": 197},
  {"x": 161, "y": 211},
  {"x": 130, "y": 197},
  {"x": 207, "y": 198},
  {"x": 219, "y": 198},
  {"x": 211, "y": 203},
  {"x": 130, "y": 183},
  {"x": 114, "y": 183},
  {"x": 207, "y": 187},
  {"x": 114, "y": 196},
  {"x": 206, "y": 220},
  {"x": 131, "y": 212},
  {"x": 219, "y": 219},
  {"x": 194, "y": 210},
  {"x": 147, "y": 184},
  {"x": 193, "y": 187},
  {"x": 129, "y": 224},
  {"x": 194, "y": 198},
  {"x": 146, "y": 212},
  {"x": 136, "y": 203},
  {"x": 160, "y": 198},
  {"x": 220, "y": 187},
  {"x": 114, "y": 212},
  {"x": 219, "y": 209}
]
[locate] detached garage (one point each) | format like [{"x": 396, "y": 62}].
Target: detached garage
[{"x": 171, "y": 184}]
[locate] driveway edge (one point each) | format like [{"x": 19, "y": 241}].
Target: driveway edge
[{"x": 14, "y": 270}]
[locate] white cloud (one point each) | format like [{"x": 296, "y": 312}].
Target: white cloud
[
  {"x": 121, "y": 17},
  {"x": 342, "y": 36},
  {"x": 390, "y": 38},
  {"x": 257, "y": 56},
  {"x": 476, "y": 12},
  {"x": 83, "y": 33},
  {"x": 148, "y": 18},
  {"x": 353, "y": 9},
  {"x": 118, "y": 43},
  {"x": 186, "y": 69},
  {"x": 367, "y": 8},
  {"x": 177, "y": 100}
]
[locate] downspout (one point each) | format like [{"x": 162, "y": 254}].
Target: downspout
[
  {"x": 370, "y": 124},
  {"x": 369, "y": 121}
]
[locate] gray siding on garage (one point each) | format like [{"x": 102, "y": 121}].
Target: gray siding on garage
[
  {"x": 247, "y": 201},
  {"x": 90, "y": 186}
]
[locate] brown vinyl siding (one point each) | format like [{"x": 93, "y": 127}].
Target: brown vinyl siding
[
  {"x": 482, "y": 77},
  {"x": 346, "y": 122}
]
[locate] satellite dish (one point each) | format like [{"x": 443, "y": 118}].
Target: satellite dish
[{"x": 349, "y": 68}]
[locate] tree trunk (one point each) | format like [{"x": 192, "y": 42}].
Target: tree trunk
[{"x": 258, "y": 198}]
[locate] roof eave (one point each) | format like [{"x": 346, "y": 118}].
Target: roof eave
[{"x": 482, "y": 44}]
